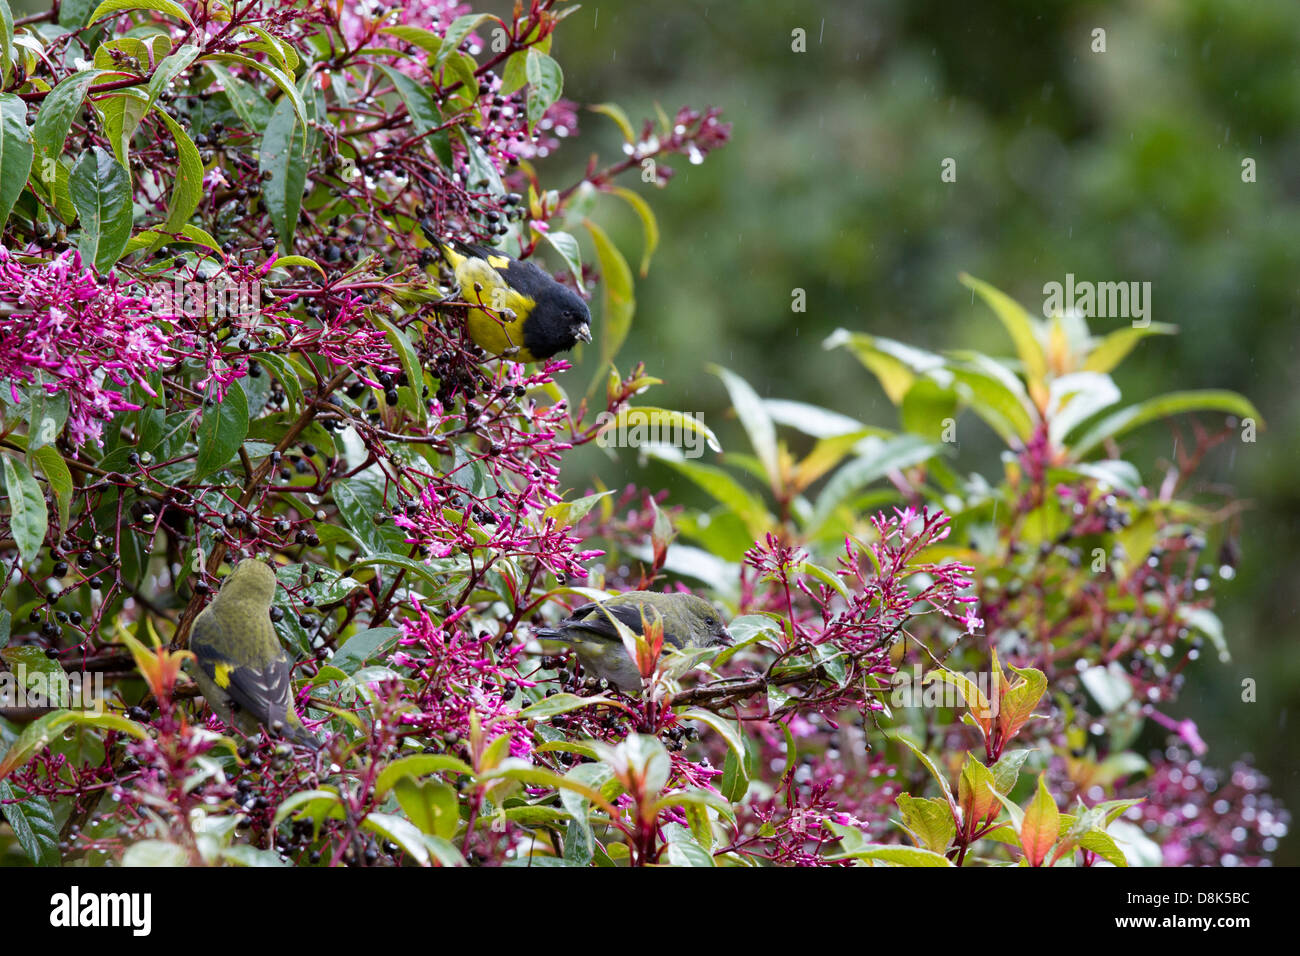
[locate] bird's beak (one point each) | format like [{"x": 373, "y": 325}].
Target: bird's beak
[
  {"x": 584, "y": 332},
  {"x": 725, "y": 639}
]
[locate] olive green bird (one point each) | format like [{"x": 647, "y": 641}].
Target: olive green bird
[
  {"x": 526, "y": 316},
  {"x": 688, "y": 621},
  {"x": 242, "y": 669}
]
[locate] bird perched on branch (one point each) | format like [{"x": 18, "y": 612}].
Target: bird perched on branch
[
  {"x": 688, "y": 621},
  {"x": 242, "y": 668},
  {"x": 519, "y": 312}
]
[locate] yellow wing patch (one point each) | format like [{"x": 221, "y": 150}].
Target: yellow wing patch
[{"x": 221, "y": 674}]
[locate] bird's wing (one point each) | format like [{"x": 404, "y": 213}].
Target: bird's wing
[
  {"x": 591, "y": 619},
  {"x": 263, "y": 690}
]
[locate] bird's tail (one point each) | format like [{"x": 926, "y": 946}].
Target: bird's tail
[
  {"x": 451, "y": 250},
  {"x": 302, "y": 736}
]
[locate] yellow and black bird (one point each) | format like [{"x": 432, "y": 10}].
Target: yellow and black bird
[
  {"x": 525, "y": 314},
  {"x": 242, "y": 669},
  {"x": 688, "y": 621}
]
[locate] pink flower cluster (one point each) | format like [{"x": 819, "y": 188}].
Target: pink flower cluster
[
  {"x": 458, "y": 674},
  {"x": 69, "y": 330}
]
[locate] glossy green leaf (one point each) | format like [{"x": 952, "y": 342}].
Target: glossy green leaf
[
  {"x": 32, "y": 820},
  {"x": 101, "y": 192},
  {"x": 158, "y": 6},
  {"x": 222, "y": 430},
  {"x": 618, "y": 301},
  {"x": 28, "y": 519},
  {"x": 16, "y": 152},
  {"x": 545, "y": 82},
  {"x": 1164, "y": 406}
]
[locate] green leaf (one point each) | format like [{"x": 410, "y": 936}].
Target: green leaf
[
  {"x": 934, "y": 772},
  {"x": 684, "y": 849},
  {"x": 735, "y": 777},
  {"x": 618, "y": 301},
  {"x": 39, "y": 733},
  {"x": 28, "y": 519},
  {"x": 999, "y": 399},
  {"x": 101, "y": 192},
  {"x": 32, "y": 820},
  {"x": 363, "y": 646},
  {"x": 649, "y": 224},
  {"x": 579, "y": 842},
  {"x": 854, "y": 846},
  {"x": 46, "y": 415},
  {"x": 243, "y": 855},
  {"x": 121, "y": 114},
  {"x": 278, "y": 76},
  {"x": 283, "y": 157},
  {"x": 1041, "y": 824},
  {"x": 928, "y": 820},
  {"x": 568, "y": 513},
  {"x": 15, "y": 152},
  {"x": 457, "y": 31},
  {"x": 188, "y": 191},
  {"x": 442, "y": 581},
  {"x": 567, "y": 246},
  {"x": 416, "y": 766},
  {"x": 482, "y": 173},
  {"x": 1007, "y": 770},
  {"x": 426, "y": 40},
  {"x": 545, "y": 81},
  {"x": 317, "y": 805},
  {"x": 221, "y": 431},
  {"x": 814, "y": 420},
  {"x": 1103, "y": 844},
  {"x": 895, "y": 364},
  {"x": 755, "y": 420},
  {"x": 6, "y": 45},
  {"x": 1019, "y": 326},
  {"x": 408, "y": 396},
  {"x": 418, "y": 102},
  {"x": 652, "y": 421},
  {"x": 155, "y": 853},
  {"x": 297, "y": 261},
  {"x": 253, "y": 108},
  {"x": 359, "y": 499},
  {"x": 158, "y": 6},
  {"x": 728, "y": 730},
  {"x": 59, "y": 109},
  {"x": 615, "y": 112},
  {"x": 402, "y": 832},
  {"x": 928, "y": 408},
  {"x": 430, "y": 804},
  {"x": 1163, "y": 406},
  {"x": 1114, "y": 348},
  {"x": 560, "y": 704},
  {"x": 170, "y": 68},
  {"x": 1074, "y": 398}
]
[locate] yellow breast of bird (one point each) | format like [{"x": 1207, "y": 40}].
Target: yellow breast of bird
[{"x": 498, "y": 326}]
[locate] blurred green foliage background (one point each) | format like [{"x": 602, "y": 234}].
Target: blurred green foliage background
[{"x": 1117, "y": 166}]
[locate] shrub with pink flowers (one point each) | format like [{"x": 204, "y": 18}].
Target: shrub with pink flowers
[{"x": 226, "y": 332}]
